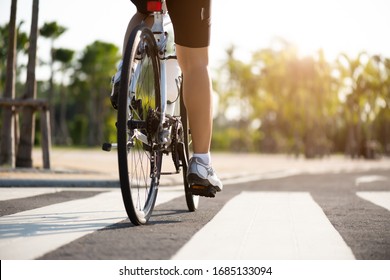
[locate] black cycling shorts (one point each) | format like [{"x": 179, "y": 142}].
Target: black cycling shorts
[{"x": 191, "y": 20}]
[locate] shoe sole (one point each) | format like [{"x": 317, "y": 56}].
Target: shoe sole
[{"x": 201, "y": 187}]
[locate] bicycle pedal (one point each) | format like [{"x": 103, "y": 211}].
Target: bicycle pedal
[
  {"x": 199, "y": 187},
  {"x": 206, "y": 191},
  {"x": 108, "y": 146}
]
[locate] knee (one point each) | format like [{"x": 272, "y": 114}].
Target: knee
[
  {"x": 192, "y": 59},
  {"x": 194, "y": 68}
]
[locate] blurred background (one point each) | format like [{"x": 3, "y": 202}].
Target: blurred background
[{"x": 307, "y": 78}]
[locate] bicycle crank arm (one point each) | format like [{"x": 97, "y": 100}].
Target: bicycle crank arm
[
  {"x": 140, "y": 136},
  {"x": 170, "y": 173}
]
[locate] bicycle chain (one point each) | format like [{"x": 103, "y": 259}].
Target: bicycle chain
[
  {"x": 152, "y": 124},
  {"x": 176, "y": 136}
]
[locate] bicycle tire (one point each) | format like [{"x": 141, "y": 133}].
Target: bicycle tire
[
  {"x": 138, "y": 161},
  {"x": 191, "y": 200}
]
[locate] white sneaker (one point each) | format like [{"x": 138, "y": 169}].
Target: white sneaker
[{"x": 202, "y": 179}]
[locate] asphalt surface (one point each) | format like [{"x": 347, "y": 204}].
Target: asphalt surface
[{"x": 333, "y": 184}]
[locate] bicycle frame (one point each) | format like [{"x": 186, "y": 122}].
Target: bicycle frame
[
  {"x": 160, "y": 20},
  {"x": 161, "y": 38}
]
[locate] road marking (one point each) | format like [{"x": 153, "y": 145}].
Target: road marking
[
  {"x": 245, "y": 178},
  {"x": 379, "y": 198},
  {"x": 370, "y": 179},
  {"x": 268, "y": 225},
  {"x": 33, "y": 233},
  {"x": 26, "y": 192},
  {"x": 15, "y": 193}
]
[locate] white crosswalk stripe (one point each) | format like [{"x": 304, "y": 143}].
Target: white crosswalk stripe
[
  {"x": 15, "y": 193},
  {"x": 379, "y": 198},
  {"x": 30, "y": 234},
  {"x": 268, "y": 225}
]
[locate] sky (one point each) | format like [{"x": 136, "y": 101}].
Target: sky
[{"x": 336, "y": 26}]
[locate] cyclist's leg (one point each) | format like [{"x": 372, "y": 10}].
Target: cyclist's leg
[
  {"x": 191, "y": 22},
  {"x": 197, "y": 94}
]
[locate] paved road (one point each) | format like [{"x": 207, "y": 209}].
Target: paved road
[{"x": 277, "y": 215}]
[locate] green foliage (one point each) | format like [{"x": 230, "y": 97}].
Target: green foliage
[
  {"x": 52, "y": 30},
  {"x": 64, "y": 56},
  {"x": 83, "y": 113},
  {"x": 306, "y": 105},
  {"x": 92, "y": 87}
]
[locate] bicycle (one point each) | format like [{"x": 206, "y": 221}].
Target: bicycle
[{"x": 151, "y": 119}]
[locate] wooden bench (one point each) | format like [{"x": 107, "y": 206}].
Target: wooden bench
[{"x": 38, "y": 105}]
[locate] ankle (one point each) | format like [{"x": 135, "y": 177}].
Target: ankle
[{"x": 205, "y": 158}]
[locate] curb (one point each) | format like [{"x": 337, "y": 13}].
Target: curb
[{"x": 14, "y": 183}]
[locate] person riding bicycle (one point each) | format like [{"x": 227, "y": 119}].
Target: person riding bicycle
[{"x": 191, "y": 20}]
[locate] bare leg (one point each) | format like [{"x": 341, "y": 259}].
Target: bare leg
[{"x": 197, "y": 91}]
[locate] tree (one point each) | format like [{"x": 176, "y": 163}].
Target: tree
[
  {"x": 65, "y": 57},
  {"x": 93, "y": 78},
  {"x": 3, "y": 52},
  {"x": 24, "y": 155},
  {"x": 377, "y": 102},
  {"x": 238, "y": 85},
  {"x": 52, "y": 30},
  {"x": 289, "y": 99},
  {"x": 21, "y": 46},
  {"x": 7, "y": 148},
  {"x": 362, "y": 85}
]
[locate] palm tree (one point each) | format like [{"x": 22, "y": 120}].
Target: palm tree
[
  {"x": 21, "y": 46},
  {"x": 65, "y": 56},
  {"x": 365, "y": 81},
  {"x": 52, "y": 30},
  {"x": 7, "y": 147},
  {"x": 24, "y": 155},
  {"x": 374, "y": 100},
  {"x": 351, "y": 71}
]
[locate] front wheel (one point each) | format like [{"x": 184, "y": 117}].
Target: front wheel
[{"x": 139, "y": 106}]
